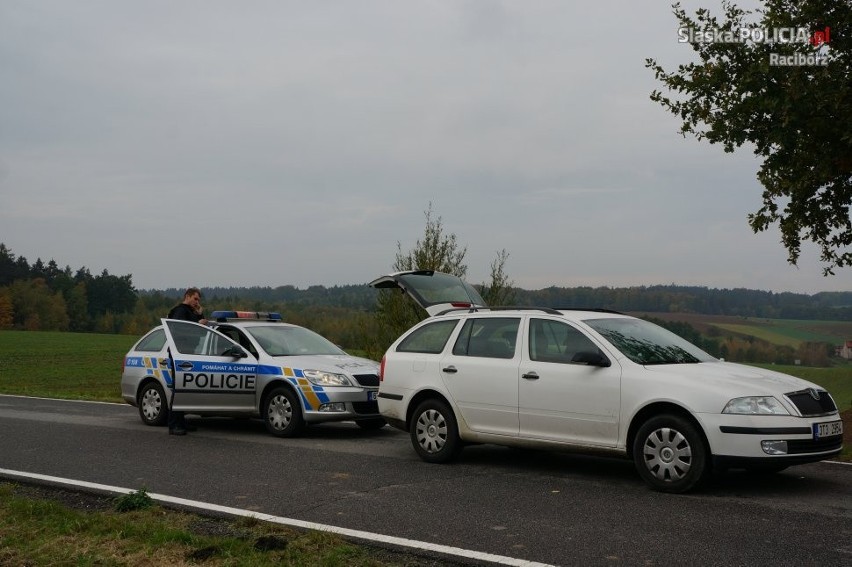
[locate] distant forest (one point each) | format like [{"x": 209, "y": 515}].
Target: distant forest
[
  {"x": 43, "y": 296},
  {"x": 830, "y": 306}
]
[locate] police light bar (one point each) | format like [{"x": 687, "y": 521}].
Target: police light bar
[{"x": 256, "y": 315}]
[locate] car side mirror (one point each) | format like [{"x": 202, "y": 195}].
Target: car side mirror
[
  {"x": 591, "y": 358},
  {"x": 236, "y": 352}
]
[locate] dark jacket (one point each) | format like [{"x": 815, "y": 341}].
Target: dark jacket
[{"x": 184, "y": 312}]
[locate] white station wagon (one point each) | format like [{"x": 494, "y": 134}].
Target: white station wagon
[{"x": 591, "y": 381}]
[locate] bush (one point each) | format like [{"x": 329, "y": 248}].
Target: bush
[{"x": 137, "y": 500}]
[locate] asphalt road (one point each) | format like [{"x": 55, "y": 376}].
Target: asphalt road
[{"x": 552, "y": 508}]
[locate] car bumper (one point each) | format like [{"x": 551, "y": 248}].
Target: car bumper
[
  {"x": 392, "y": 408},
  {"x": 343, "y": 404},
  {"x": 741, "y": 440},
  {"x": 129, "y": 389}
]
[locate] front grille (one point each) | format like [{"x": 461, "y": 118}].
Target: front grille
[
  {"x": 799, "y": 446},
  {"x": 808, "y": 406},
  {"x": 367, "y": 379},
  {"x": 365, "y": 407}
]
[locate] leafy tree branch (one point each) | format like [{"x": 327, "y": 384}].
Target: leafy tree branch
[{"x": 796, "y": 117}]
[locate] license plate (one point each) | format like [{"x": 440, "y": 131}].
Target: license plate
[
  {"x": 372, "y": 395},
  {"x": 829, "y": 429}
]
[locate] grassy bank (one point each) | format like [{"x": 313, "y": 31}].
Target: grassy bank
[{"x": 41, "y": 526}]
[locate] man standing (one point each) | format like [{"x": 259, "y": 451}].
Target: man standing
[{"x": 188, "y": 310}]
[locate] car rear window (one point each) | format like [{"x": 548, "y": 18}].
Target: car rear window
[
  {"x": 492, "y": 337},
  {"x": 430, "y": 338},
  {"x": 152, "y": 342}
]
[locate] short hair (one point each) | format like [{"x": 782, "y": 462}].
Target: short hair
[{"x": 190, "y": 291}]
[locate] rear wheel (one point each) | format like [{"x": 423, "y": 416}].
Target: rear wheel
[
  {"x": 282, "y": 413},
  {"x": 434, "y": 432},
  {"x": 670, "y": 454},
  {"x": 153, "y": 408}
]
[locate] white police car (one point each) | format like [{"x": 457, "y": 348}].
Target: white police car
[
  {"x": 590, "y": 381},
  {"x": 247, "y": 364}
]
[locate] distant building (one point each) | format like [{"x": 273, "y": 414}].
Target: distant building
[{"x": 845, "y": 351}]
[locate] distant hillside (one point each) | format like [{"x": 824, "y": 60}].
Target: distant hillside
[
  {"x": 789, "y": 332},
  {"x": 690, "y": 299},
  {"x": 830, "y": 306}
]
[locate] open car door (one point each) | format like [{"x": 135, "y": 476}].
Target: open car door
[
  {"x": 435, "y": 292},
  {"x": 211, "y": 372}
]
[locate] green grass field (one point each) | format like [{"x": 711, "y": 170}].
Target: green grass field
[
  {"x": 83, "y": 366},
  {"x": 790, "y": 332},
  {"x": 77, "y": 366},
  {"x": 763, "y": 333}
]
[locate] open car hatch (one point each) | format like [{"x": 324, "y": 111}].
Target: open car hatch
[{"x": 433, "y": 291}]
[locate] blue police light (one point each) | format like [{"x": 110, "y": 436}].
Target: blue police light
[{"x": 222, "y": 316}]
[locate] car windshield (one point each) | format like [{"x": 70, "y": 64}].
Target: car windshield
[
  {"x": 281, "y": 340},
  {"x": 646, "y": 343}
]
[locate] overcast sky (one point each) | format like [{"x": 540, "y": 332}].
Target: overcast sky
[{"x": 267, "y": 143}]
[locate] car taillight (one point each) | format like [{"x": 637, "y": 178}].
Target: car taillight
[{"x": 382, "y": 370}]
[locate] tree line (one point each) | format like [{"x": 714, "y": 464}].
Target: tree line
[
  {"x": 823, "y": 306},
  {"x": 42, "y": 296},
  {"x": 46, "y": 297}
]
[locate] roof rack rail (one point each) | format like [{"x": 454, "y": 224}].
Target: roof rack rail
[
  {"x": 549, "y": 310},
  {"x": 595, "y": 309},
  {"x": 475, "y": 309}
]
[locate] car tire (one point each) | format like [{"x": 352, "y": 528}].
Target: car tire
[
  {"x": 372, "y": 424},
  {"x": 282, "y": 413},
  {"x": 152, "y": 403},
  {"x": 434, "y": 432},
  {"x": 670, "y": 454}
]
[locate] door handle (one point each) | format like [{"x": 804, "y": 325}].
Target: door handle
[
  {"x": 164, "y": 362},
  {"x": 530, "y": 376},
  {"x": 450, "y": 370},
  {"x": 185, "y": 365}
]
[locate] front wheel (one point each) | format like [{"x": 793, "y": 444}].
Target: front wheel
[
  {"x": 282, "y": 413},
  {"x": 153, "y": 407},
  {"x": 670, "y": 454},
  {"x": 434, "y": 432}
]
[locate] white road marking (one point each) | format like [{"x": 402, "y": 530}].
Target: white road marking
[{"x": 345, "y": 532}]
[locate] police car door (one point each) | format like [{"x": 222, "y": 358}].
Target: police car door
[{"x": 212, "y": 374}]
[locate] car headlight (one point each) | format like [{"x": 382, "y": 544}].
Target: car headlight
[
  {"x": 755, "y": 405},
  {"x": 321, "y": 378}
]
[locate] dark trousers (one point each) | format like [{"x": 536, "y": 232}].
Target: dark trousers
[{"x": 176, "y": 418}]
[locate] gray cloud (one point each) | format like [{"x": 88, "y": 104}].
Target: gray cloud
[{"x": 273, "y": 143}]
